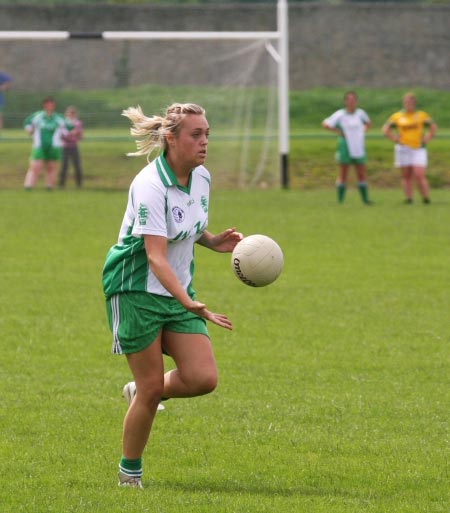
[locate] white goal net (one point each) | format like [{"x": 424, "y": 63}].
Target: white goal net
[{"x": 234, "y": 80}]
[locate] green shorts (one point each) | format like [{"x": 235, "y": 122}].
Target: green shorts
[
  {"x": 46, "y": 153},
  {"x": 136, "y": 318},
  {"x": 343, "y": 156}
]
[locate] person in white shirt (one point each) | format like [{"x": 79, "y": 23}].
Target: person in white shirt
[
  {"x": 147, "y": 277},
  {"x": 350, "y": 124}
]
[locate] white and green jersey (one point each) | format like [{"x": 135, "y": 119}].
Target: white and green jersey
[
  {"x": 47, "y": 130},
  {"x": 352, "y": 125},
  {"x": 158, "y": 205}
]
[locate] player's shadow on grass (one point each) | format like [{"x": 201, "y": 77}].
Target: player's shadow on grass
[{"x": 235, "y": 487}]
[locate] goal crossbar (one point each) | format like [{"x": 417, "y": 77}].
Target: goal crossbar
[{"x": 139, "y": 35}]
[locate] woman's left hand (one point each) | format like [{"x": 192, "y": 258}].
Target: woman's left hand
[{"x": 216, "y": 318}]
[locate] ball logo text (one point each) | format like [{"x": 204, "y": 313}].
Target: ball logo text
[{"x": 240, "y": 274}]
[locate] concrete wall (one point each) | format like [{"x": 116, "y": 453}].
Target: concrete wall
[
  {"x": 371, "y": 45},
  {"x": 377, "y": 45}
]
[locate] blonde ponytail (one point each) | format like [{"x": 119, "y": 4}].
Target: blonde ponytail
[
  {"x": 147, "y": 131},
  {"x": 150, "y": 133}
]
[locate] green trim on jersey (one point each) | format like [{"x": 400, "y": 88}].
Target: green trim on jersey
[
  {"x": 343, "y": 154},
  {"x": 190, "y": 290},
  {"x": 168, "y": 177},
  {"x": 165, "y": 173},
  {"x": 126, "y": 266},
  {"x": 158, "y": 206},
  {"x": 47, "y": 129}
]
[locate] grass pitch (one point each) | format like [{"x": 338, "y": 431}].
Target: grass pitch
[{"x": 333, "y": 393}]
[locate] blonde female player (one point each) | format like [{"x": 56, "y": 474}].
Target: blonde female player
[
  {"x": 147, "y": 276},
  {"x": 406, "y": 129}
]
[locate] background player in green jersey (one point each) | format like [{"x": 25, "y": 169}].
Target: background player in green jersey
[
  {"x": 46, "y": 128},
  {"x": 350, "y": 124},
  {"x": 147, "y": 277}
]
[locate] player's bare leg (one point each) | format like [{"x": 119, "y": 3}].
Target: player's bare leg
[
  {"x": 147, "y": 368},
  {"x": 422, "y": 182},
  {"x": 33, "y": 173},
  {"x": 362, "y": 183},
  {"x": 148, "y": 371},
  {"x": 341, "y": 182},
  {"x": 407, "y": 183},
  {"x": 196, "y": 371}
]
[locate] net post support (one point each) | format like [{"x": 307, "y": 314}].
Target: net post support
[
  {"x": 284, "y": 166},
  {"x": 283, "y": 90}
]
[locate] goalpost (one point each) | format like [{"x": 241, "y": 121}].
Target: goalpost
[{"x": 279, "y": 54}]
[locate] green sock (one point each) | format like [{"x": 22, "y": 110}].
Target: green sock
[
  {"x": 132, "y": 468},
  {"x": 340, "y": 189},
  {"x": 362, "y": 186}
]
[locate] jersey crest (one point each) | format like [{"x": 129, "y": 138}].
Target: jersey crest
[{"x": 178, "y": 214}]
